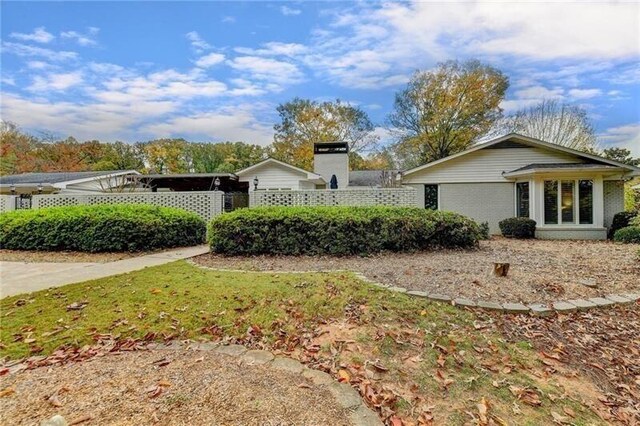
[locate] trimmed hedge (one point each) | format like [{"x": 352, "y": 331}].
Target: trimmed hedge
[
  {"x": 518, "y": 227},
  {"x": 100, "y": 228},
  {"x": 628, "y": 235},
  {"x": 620, "y": 220},
  {"x": 338, "y": 230}
]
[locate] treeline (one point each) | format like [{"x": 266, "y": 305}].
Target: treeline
[{"x": 440, "y": 112}]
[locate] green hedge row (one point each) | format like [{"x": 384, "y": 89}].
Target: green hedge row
[
  {"x": 338, "y": 230},
  {"x": 518, "y": 227},
  {"x": 100, "y": 228}
]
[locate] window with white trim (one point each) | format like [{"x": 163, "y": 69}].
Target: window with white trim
[{"x": 568, "y": 201}]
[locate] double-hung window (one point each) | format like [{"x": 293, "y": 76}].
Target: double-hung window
[{"x": 568, "y": 201}]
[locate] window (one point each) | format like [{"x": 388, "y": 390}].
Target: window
[
  {"x": 431, "y": 197},
  {"x": 585, "y": 201},
  {"x": 522, "y": 199},
  {"x": 550, "y": 202},
  {"x": 568, "y": 202}
]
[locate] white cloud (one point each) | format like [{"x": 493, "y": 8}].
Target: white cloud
[
  {"x": 38, "y": 65},
  {"x": 275, "y": 49},
  {"x": 530, "y": 96},
  {"x": 83, "y": 39},
  {"x": 209, "y": 60},
  {"x": 228, "y": 20},
  {"x": 267, "y": 69},
  {"x": 584, "y": 93},
  {"x": 289, "y": 11},
  {"x": 197, "y": 43},
  {"x": 226, "y": 124},
  {"x": 39, "y": 35},
  {"x": 56, "y": 82},
  {"x": 626, "y": 136},
  {"x": 26, "y": 50}
]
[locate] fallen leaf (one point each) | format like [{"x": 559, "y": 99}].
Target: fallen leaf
[
  {"x": 568, "y": 411},
  {"x": 54, "y": 400},
  {"x": 6, "y": 392},
  {"x": 344, "y": 376},
  {"x": 483, "y": 409},
  {"x": 155, "y": 291}
]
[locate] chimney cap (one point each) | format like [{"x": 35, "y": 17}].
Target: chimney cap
[{"x": 331, "y": 148}]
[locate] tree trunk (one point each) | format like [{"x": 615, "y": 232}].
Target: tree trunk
[{"x": 500, "y": 269}]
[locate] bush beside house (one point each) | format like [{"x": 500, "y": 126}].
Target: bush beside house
[
  {"x": 101, "y": 228},
  {"x": 518, "y": 227},
  {"x": 338, "y": 230},
  {"x": 629, "y": 234},
  {"x": 621, "y": 220}
]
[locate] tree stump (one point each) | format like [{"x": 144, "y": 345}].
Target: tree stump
[{"x": 500, "y": 269}]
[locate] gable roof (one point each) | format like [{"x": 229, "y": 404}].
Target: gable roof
[
  {"x": 308, "y": 174},
  {"x": 60, "y": 177},
  {"x": 527, "y": 141}
]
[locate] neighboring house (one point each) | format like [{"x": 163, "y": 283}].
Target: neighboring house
[
  {"x": 329, "y": 159},
  {"x": 66, "y": 182},
  {"x": 570, "y": 194}
]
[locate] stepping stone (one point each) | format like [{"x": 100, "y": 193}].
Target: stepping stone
[
  {"x": 582, "y": 304},
  {"x": 516, "y": 308},
  {"x": 564, "y": 307},
  {"x": 490, "y": 305},
  {"x": 346, "y": 396},
  {"x": 318, "y": 377},
  {"x": 618, "y": 298},
  {"x": 439, "y": 297},
  {"x": 632, "y": 296},
  {"x": 398, "y": 289},
  {"x": 257, "y": 357},
  {"x": 590, "y": 282},
  {"x": 541, "y": 310},
  {"x": 464, "y": 302},
  {"x": 233, "y": 350},
  {"x": 207, "y": 346},
  {"x": 287, "y": 364},
  {"x": 418, "y": 293},
  {"x": 364, "y": 416},
  {"x": 601, "y": 301}
]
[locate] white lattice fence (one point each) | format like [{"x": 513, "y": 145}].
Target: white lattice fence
[
  {"x": 341, "y": 197},
  {"x": 7, "y": 203},
  {"x": 205, "y": 204}
]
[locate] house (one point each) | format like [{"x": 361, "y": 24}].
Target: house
[
  {"x": 68, "y": 182},
  {"x": 329, "y": 160},
  {"x": 570, "y": 194}
]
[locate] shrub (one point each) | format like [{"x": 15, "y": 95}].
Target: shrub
[
  {"x": 620, "y": 220},
  {"x": 338, "y": 230},
  {"x": 630, "y": 234},
  {"x": 518, "y": 227},
  {"x": 100, "y": 228},
  {"x": 485, "y": 233}
]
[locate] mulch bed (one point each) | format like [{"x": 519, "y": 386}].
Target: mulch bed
[
  {"x": 541, "y": 270},
  {"x": 179, "y": 387}
]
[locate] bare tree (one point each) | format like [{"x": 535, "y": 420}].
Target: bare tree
[{"x": 555, "y": 122}]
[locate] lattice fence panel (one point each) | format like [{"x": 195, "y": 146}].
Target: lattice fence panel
[
  {"x": 343, "y": 197},
  {"x": 7, "y": 203},
  {"x": 205, "y": 204}
]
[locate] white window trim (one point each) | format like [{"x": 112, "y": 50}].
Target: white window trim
[{"x": 576, "y": 208}]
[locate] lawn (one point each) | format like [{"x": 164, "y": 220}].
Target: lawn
[{"x": 411, "y": 359}]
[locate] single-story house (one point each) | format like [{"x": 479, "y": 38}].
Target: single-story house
[
  {"x": 79, "y": 182},
  {"x": 330, "y": 160},
  {"x": 570, "y": 194}
]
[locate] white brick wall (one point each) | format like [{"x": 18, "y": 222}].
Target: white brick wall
[
  {"x": 205, "y": 204},
  {"x": 613, "y": 199},
  {"x": 340, "y": 197}
]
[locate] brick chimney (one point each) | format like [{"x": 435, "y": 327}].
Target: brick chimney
[{"x": 332, "y": 158}]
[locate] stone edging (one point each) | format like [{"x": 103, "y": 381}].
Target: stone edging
[
  {"x": 539, "y": 309},
  {"x": 346, "y": 396}
]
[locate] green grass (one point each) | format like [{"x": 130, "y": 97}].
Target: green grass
[{"x": 180, "y": 301}]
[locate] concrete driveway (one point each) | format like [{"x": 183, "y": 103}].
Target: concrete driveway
[{"x": 22, "y": 277}]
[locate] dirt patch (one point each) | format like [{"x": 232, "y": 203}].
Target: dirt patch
[
  {"x": 64, "y": 256},
  {"x": 194, "y": 387},
  {"x": 540, "y": 270}
]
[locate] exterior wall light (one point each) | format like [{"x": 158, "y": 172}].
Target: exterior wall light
[{"x": 255, "y": 183}]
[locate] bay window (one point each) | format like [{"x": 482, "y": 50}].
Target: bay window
[{"x": 568, "y": 201}]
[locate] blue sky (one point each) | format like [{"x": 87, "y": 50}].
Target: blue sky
[{"x": 216, "y": 71}]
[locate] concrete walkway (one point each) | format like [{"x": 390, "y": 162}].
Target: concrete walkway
[{"x": 22, "y": 277}]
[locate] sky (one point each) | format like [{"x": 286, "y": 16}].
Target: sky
[{"x": 215, "y": 71}]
